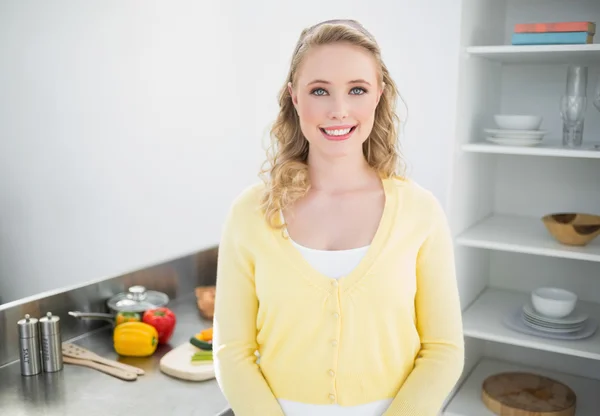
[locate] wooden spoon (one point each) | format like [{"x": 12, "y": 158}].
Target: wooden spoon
[
  {"x": 117, "y": 372},
  {"x": 75, "y": 351}
]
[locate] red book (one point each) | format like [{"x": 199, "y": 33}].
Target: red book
[{"x": 544, "y": 27}]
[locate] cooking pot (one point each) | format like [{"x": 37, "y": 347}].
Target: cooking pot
[{"x": 136, "y": 299}]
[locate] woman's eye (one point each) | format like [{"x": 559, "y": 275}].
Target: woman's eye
[
  {"x": 318, "y": 91},
  {"x": 359, "y": 89}
]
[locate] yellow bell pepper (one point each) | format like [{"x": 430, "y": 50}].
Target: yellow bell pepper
[
  {"x": 135, "y": 339},
  {"x": 205, "y": 335}
]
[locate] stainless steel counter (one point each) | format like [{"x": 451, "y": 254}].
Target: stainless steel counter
[{"x": 83, "y": 391}]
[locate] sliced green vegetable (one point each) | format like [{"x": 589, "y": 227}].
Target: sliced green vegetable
[
  {"x": 202, "y": 356},
  {"x": 203, "y": 345}
]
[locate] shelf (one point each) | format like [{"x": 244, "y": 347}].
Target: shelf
[
  {"x": 523, "y": 235},
  {"x": 538, "y": 54},
  {"x": 467, "y": 400},
  {"x": 483, "y": 320},
  {"x": 557, "y": 150}
]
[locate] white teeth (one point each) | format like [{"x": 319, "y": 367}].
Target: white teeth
[{"x": 337, "y": 132}]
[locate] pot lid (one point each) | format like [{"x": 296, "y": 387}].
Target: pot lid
[{"x": 137, "y": 299}]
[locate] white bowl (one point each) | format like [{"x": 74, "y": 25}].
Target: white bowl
[
  {"x": 553, "y": 302},
  {"x": 518, "y": 122}
]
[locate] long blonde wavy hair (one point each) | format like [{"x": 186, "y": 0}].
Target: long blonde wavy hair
[{"x": 285, "y": 172}]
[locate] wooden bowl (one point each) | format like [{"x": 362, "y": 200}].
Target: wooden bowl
[
  {"x": 571, "y": 228},
  {"x": 205, "y": 297}
]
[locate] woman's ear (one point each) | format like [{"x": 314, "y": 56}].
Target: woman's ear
[
  {"x": 292, "y": 94},
  {"x": 381, "y": 92}
]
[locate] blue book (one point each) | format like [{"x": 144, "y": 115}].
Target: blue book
[{"x": 552, "y": 38}]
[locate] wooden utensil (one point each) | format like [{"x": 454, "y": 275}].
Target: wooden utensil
[
  {"x": 75, "y": 351},
  {"x": 527, "y": 394},
  {"x": 113, "y": 371}
]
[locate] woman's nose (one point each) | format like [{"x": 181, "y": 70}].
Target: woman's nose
[{"x": 339, "y": 109}]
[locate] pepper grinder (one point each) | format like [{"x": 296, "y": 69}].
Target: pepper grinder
[
  {"x": 51, "y": 340},
  {"x": 29, "y": 346}
]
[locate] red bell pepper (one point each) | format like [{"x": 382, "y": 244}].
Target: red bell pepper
[{"x": 163, "y": 320}]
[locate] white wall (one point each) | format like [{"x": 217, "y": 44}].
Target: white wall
[{"x": 126, "y": 128}]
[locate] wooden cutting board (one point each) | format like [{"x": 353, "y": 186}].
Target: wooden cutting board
[
  {"x": 527, "y": 394},
  {"x": 177, "y": 363}
]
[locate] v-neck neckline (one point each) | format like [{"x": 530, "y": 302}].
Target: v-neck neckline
[{"x": 382, "y": 233}]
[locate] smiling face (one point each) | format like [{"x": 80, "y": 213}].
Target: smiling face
[{"x": 335, "y": 94}]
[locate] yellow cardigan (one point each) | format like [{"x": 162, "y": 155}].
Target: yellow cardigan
[{"x": 390, "y": 329}]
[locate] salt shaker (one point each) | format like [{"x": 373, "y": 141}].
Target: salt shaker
[
  {"x": 51, "y": 340},
  {"x": 29, "y": 346}
]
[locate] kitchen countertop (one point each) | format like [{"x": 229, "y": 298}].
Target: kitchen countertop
[{"x": 80, "y": 390}]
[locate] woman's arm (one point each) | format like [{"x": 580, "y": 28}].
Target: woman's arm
[
  {"x": 440, "y": 361},
  {"x": 234, "y": 340}
]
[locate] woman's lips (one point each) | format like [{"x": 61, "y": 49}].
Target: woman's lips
[{"x": 338, "y": 137}]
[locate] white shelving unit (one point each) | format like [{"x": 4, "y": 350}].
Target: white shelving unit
[
  {"x": 500, "y": 193},
  {"x": 483, "y": 320},
  {"x": 522, "y": 234},
  {"x": 538, "y": 54},
  {"x": 468, "y": 399},
  {"x": 587, "y": 152}
]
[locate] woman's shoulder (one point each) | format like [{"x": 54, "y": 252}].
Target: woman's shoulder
[
  {"x": 412, "y": 191},
  {"x": 250, "y": 195},
  {"x": 247, "y": 203},
  {"x": 419, "y": 203}
]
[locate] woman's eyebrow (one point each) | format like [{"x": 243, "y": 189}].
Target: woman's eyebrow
[{"x": 354, "y": 81}]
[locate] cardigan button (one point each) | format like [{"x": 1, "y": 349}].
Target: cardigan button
[
  {"x": 336, "y": 315},
  {"x": 332, "y": 397},
  {"x": 334, "y": 342},
  {"x": 331, "y": 373},
  {"x": 334, "y": 283}
]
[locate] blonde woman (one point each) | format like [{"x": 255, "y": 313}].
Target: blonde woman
[{"x": 337, "y": 272}]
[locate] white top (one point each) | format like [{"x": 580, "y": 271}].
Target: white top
[{"x": 334, "y": 264}]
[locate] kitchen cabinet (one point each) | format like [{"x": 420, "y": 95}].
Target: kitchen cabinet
[{"x": 498, "y": 195}]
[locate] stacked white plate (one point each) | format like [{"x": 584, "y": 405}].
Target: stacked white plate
[
  {"x": 573, "y": 327},
  {"x": 515, "y": 137},
  {"x": 572, "y": 323}
]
